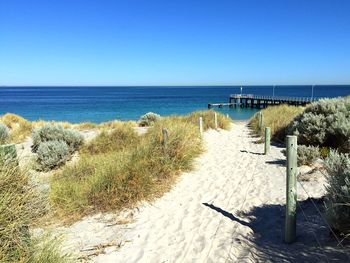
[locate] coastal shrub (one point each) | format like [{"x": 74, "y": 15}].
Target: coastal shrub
[
  {"x": 115, "y": 140},
  {"x": 19, "y": 127},
  {"x": 208, "y": 119},
  {"x": 144, "y": 169},
  {"x": 277, "y": 118},
  {"x": 337, "y": 199},
  {"x": 57, "y": 133},
  {"x": 307, "y": 154},
  {"x": 20, "y": 206},
  {"x": 148, "y": 119},
  {"x": 4, "y": 133},
  {"x": 325, "y": 123},
  {"x": 52, "y": 154}
]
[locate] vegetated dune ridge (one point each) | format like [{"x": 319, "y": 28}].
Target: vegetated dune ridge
[{"x": 229, "y": 209}]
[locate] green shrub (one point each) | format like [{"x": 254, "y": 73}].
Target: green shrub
[
  {"x": 307, "y": 154},
  {"x": 337, "y": 199},
  {"x": 148, "y": 119},
  {"x": 4, "y": 133},
  {"x": 277, "y": 118},
  {"x": 325, "y": 123},
  {"x": 52, "y": 154},
  {"x": 57, "y": 133}
]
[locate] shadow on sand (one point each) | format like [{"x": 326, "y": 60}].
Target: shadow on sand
[
  {"x": 244, "y": 151},
  {"x": 267, "y": 224}
]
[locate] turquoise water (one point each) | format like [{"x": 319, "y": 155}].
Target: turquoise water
[{"x": 99, "y": 104}]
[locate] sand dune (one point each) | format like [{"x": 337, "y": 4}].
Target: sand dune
[{"x": 229, "y": 209}]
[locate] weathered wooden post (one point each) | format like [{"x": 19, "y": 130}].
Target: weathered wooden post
[
  {"x": 216, "y": 120},
  {"x": 201, "y": 126},
  {"x": 165, "y": 138},
  {"x": 261, "y": 120},
  {"x": 267, "y": 140},
  {"x": 8, "y": 154},
  {"x": 290, "y": 228}
]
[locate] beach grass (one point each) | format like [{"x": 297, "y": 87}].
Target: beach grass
[
  {"x": 19, "y": 127},
  {"x": 119, "y": 168},
  {"x": 277, "y": 118},
  {"x": 20, "y": 207}
]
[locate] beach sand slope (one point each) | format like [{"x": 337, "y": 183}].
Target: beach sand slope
[{"x": 229, "y": 209}]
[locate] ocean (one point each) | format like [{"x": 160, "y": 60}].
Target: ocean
[{"x": 100, "y": 104}]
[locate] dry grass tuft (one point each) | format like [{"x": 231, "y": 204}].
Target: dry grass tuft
[
  {"x": 277, "y": 118},
  {"x": 19, "y": 127}
]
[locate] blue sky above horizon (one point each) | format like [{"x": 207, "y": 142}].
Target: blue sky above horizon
[{"x": 178, "y": 42}]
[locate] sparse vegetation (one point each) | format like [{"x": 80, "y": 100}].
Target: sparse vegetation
[
  {"x": 337, "y": 200},
  {"x": 148, "y": 119},
  {"x": 277, "y": 118},
  {"x": 4, "y": 133},
  {"x": 208, "y": 119},
  {"x": 325, "y": 123}
]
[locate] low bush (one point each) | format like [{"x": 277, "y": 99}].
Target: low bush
[
  {"x": 277, "y": 118},
  {"x": 307, "y": 154},
  {"x": 144, "y": 169},
  {"x": 337, "y": 199},
  {"x": 52, "y": 154},
  {"x": 57, "y": 133},
  {"x": 325, "y": 123},
  {"x": 148, "y": 119},
  {"x": 4, "y": 133}
]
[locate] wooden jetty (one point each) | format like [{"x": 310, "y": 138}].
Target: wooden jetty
[{"x": 258, "y": 101}]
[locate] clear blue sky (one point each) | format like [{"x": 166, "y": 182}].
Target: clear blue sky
[{"x": 174, "y": 42}]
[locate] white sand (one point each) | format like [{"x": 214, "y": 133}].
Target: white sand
[{"x": 229, "y": 209}]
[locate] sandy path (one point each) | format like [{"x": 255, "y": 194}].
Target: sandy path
[{"x": 229, "y": 209}]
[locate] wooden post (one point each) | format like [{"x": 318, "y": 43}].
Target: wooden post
[
  {"x": 261, "y": 120},
  {"x": 165, "y": 138},
  {"x": 8, "y": 154},
  {"x": 267, "y": 140},
  {"x": 216, "y": 120},
  {"x": 201, "y": 126},
  {"x": 290, "y": 228}
]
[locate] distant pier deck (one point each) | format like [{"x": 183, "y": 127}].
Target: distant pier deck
[{"x": 257, "y": 101}]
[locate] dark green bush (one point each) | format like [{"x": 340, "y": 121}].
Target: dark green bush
[
  {"x": 325, "y": 123},
  {"x": 52, "y": 154},
  {"x": 337, "y": 199}
]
